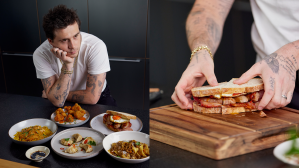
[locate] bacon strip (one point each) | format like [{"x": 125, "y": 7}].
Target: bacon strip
[
  {"x": 228, "y": 100},
  {"x": 208, "y": 104}
]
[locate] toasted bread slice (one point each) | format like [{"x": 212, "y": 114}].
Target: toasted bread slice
[
  {"x": 232, "y": 110},
  {"x": 200, "y": 109},
  {"x": 207, "y": 90},
  {"x": 253, "y": 85},
  {"x": 121, "y": 114},
  {"x": 231, "y": 88}
]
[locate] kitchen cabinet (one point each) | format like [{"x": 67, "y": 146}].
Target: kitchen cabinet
[
  {"x": 19, "y": 26},
  {"x": 79, "y": 5},
  {"x": 122, "y": 25},
  {"x": 126, "y": 82},
  {"x": 20, "y": 75}
]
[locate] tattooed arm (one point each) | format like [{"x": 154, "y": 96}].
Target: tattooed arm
[
  {"x": 57, "y": 89},
  {"x": 92, "y": 94},
  {"x": 205, "y": 23},
  {"x": 278, "y": 71},
  {"x": 203, "y": 27}
]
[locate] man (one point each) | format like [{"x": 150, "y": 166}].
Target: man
[
  {"x": 275, "y": 38},
  {"x": 72, "y": 65}
]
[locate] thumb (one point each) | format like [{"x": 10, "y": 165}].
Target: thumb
[
  {"x": 211, "y": 78},
  {"x": 251, "y": 73}
]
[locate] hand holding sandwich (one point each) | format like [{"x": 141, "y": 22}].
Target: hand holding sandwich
[
  {"x": 278, "y": 71},
  {"x": 200, "y": 69}
]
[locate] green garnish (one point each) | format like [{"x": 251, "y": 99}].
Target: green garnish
[
  {"x": 118, "y": 156},
  {"x": 67, "y": 139},
  {"x": 137, "y": 143},
  {"x": 93, "y": 143},
  {"x": 26, "y": 133},
  {"x": 293, "y": 136}
]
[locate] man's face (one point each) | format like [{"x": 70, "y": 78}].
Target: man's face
[{"x": 68, "y": 39}]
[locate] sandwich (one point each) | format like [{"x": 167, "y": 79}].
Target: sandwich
[
  {"x": 118, "y": 121},
  {"x": 228, "y": 98}
]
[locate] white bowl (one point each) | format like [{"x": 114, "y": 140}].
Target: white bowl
[
  {"x": 37, "y": 148},
  {"x": 126, "y": 136},
  {"x": 281, "y": 149},
  {"x": 32, "y": 122}
]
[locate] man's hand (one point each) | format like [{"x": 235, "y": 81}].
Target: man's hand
[
  {"x": 278, "y": 71},
  {"x": 200, "y": 69},
  {"x": 62, "y": 55}
]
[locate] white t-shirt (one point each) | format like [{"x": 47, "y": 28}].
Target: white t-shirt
[
  {"x": 92, "y": 59},
  {"x": 276, "y": 23}
]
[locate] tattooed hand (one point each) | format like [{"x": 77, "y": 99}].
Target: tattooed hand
[
  {"x": 278, "y": 71},
  {"x": 200, "y": 69}
]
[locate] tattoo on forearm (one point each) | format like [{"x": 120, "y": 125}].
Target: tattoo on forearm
[
  {"x": 188, "y": 33},
  {"x": 100, "y": 84},
  {"x": 197, "y": 12},
  {"x": 57, "y": 97},
  {"x": 65, "y": 93},
  {"x": 91, "y": 82},
  {"x": 77, "y": 98},
  {"x": 294, "y": 59},
  {"x": 58, "y": 86},
  {"x": 213, "y": 29},
  {"x": 196, "y": 21},
  {"x": 272, "y": 83},
  {"x": 272, "y": 62},
  {"x": 46, "y": 83},
  {"x": 296, "y": 46}
]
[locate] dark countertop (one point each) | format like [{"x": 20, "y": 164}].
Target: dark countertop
[
  {"x": 163, "y": 155},
  {"x": 16, "y": 108}
]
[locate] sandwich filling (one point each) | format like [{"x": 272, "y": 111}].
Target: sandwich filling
[
  {"x": 117, "y": 123},
  {"x": 248, "y": 101}
]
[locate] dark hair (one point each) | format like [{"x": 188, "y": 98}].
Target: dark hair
[{"x": 59, "y": 18}]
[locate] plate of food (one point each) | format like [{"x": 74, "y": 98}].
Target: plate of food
[
  {"x": 34, "y": 131},
  {"x": 114, "y": 121},
  {"x": 70, "y": 116},
  {"x": 288, "y": 152},
  {"x": 78, "y": 143},
  {"x": 128, "y": 147}
]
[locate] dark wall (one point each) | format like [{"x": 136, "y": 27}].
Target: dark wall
[
  {"x": 170, "y": 53},
  {"x": 122, "y": 25}
]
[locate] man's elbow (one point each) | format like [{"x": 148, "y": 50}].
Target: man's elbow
[{"x": 94, "y": 100}]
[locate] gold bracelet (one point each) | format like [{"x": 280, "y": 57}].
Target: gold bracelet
[
  {"x": 66, "y": 72},
  {"x": 201, "y": 48}
]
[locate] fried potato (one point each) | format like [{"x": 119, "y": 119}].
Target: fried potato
[{"x": 59, "y": 117}]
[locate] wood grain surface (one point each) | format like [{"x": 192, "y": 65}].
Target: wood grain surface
[
  {"x": 11, "y": 164},
  {"x": 220, "y": 136}
]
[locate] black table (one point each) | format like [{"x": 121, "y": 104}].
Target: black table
[
  {"x": 16, "y": 108},
  {"x": 163, "y": 155}
]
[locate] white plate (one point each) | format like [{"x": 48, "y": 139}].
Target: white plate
[
  {"x": 97, "y": 124},
  {"x": 281, "y": 149},
  {"x": 84, "y": 132},
  {"x": 32, "y": 122},
  {"x": 126, "y": 136},
  {"x": 71, "y": 124}
]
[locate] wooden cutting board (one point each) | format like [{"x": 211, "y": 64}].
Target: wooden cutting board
[{"x": 220, "y": 136}]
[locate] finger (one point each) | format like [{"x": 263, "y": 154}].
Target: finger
[
  {"x": 245, "y": 77},
  {"x": 176, "y": 100},
  {"x": 182, "y": 97},
  {"x": 269, "y": 84},
  {"x": 63, "y": 55},
  {"x": 54, "y": 50},
  {"x": 289, "y": 97},
  {"x": 277, "y": 98},
  {"x": 59, "y": 52},
  {"x": 210, "y": 76}
]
